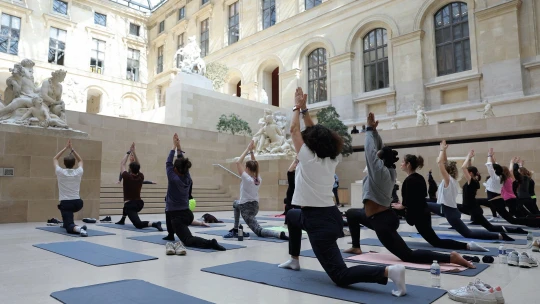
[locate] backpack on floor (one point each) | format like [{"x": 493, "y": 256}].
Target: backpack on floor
[{"x": 210, "y": 219}]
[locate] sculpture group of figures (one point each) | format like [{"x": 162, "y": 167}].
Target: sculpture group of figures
[
  {"x": 42, "y": 106},
  {"x": 271, "y": 137},
  {"x": 191, "y": 60}
]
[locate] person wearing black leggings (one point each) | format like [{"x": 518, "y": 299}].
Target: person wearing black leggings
[
  {"x": 526, "y": 204},
  {"x": 446, "y": 201},
  {"x": 377, "y": 215},
  {"x": 290, "y": 189},
  {"x": 470, "y": 203},
  {"x": 416, "y": 210}
]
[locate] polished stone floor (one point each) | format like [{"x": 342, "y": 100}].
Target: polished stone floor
[{"x": 30, "y": 275}]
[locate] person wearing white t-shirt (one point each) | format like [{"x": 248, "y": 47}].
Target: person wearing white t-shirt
[
  {"x": 446, "y": 205},
  {"x": 69, "y": 185},
  {"x": 319, "y": 150},
  {"x": 248, "y": 204}
]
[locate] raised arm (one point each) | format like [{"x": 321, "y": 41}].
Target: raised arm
[
  {"x": 57, "y": 156},
  {"x": 292, "y": 167},
  {"x": 124, "y": 160},
  {"x": 240, "y": 162},
  {"x": 299, "y": 106},
  {"x": 441, "y": 161},
  {"x": 466, "y": 164},
  {"x": 511, "y": 168},
  {"x": 134, "y": 154},
  {"x": 373, "y": 143},
  {"x": 490, "y": 162},
  {"x": 169, "y": 163},
  {"x": 77, "y": 157}
]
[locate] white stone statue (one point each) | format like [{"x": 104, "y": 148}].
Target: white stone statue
[
  {"x": 191, "y": 58},
  {"x": 264, "y": 97},
  {"x": 421, "y": 117},
  {"x": 488, "y": 111},
  {"x": 394, "y": 124},
  {"x": 271, "y": 139}
]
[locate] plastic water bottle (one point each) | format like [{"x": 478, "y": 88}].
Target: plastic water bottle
[
  {"x": 240, "y": 233},
  {"x": 435, "y": 275},
  {"x": 503, "y": 258},
  {"x": 530, "y": 238}
]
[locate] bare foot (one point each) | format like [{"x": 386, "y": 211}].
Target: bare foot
[
  {"x": 456, "y": 258},
  {"x": 205, "y": 224},
  {"x": 353, "y": 250}
]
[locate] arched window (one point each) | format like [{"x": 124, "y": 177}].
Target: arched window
[
  {"x": 376, "y": 60},
  {"x": 452, "y": 39},
  {"x": 317, "y": 76}
]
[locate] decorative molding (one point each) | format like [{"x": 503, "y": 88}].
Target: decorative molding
[
  {"x": 161, "y": 37},
  {"x": 319, "y": 105},
  {"x": 180, "y": 26},
  {"x": 56, "y": 19},
  {"x": 342, "y": 58},
  {"x": 378, "y": 95},
  {"x": 134, "y": 41},
  {"x": 498, "y": 10},
  {"x": 118, "y": 9},
  {"x": 13, "y": 6},
  {"x": 205, "y": 10},
  {"x": 437, "y": 83},
  {"x": 290, "y": 73},
  {"x": 532, "y": 65},
  {"x": 406, "y": 38},
  {"x": 95, "y": 31}
]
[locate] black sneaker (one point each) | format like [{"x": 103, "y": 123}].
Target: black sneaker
[
  {"x": 157, "y": 225},
  {"x": 107, "y": 219},
  {"x": 89, "y": 220},
  {"x": 53, "y": 222}
]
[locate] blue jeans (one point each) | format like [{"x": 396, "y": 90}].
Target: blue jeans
[{"x": 453, "y": 216}]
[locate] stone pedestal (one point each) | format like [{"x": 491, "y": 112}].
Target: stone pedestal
[{"x": 356, "y": 194}]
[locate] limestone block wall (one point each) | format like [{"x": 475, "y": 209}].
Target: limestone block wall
[{"x": 32, "y": 194}]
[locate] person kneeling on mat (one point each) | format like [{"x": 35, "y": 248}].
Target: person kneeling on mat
[
  {"x": 69, "y": 185},
  {"x": 177, "y": 204},
  {"x": 319, "y": 150},
  {"x": 133, "y": 204}
]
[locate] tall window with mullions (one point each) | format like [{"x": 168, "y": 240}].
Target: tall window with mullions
[
  {"x": 234, "y": 23},
  {"x": 57, "y": 46},
  {"x": 452, "y": 39},
  {"x": 317, "y": 90},
  {"x": 268, "y": 13},
  {"x": 9, "y": 34},
  {"x": 376, "y": 60},
  {"x": 204, "y": 38},
  {"x": 97, "y": 57}
]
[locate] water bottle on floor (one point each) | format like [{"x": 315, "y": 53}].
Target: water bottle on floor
[
  {"x": 503, "y": 258},
  {"x": 435, "y": 275},
  {"x": 240, "y": 233},
  {"x": 530, "y": 239}
]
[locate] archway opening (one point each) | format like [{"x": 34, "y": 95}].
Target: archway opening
[
  {"x": 269, "y": 80},
  {"x": 93, "y": 101},
  {"x": 275, "y": 88}
]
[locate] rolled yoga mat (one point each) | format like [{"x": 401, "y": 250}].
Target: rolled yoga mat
[
  {"x": 252, "y": 236},
  {"x": 493, "y": 251},
  {"x": 94, "y": 254},
  {"x": 158, "y": 239},
  {"x": 450, "y": 229},
  {"x": 318, "y": 283},
  {"x": 60, "y": 230},
  {"x": 460, "y": 238},
  {"x": 130, "y": 227},
  {"x": 389, "y": 259},
  {"x": 116, "y": 292}
]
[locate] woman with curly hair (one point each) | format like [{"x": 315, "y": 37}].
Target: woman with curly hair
[{"x": 446, "y": 205}]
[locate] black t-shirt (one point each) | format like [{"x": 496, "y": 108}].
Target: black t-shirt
[
  {"x": 413, "y": 194},
  {"x": 469, "y": 192}
]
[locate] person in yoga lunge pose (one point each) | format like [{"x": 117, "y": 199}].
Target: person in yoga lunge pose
[
  {"x": 413, "y": 193},
  {"x": 290, "y": 189},
  {"x": 377, "y": 215},
  {"x": 133, "y": 204},
  {"x": 177, "y": 204},
  {"x": 522, "y": 184},
  {"x": 471, "y": 205},
  {"x": 69, "y": 185},
  {"x": 248, "y": 204},
  {"x": 319, "y": 150},
  {"x": 446, "y": 205},
  {"x": 131, "y": 160}
]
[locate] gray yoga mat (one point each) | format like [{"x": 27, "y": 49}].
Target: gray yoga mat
[
  {"x": 318, "y": 283},
  {"x": 241, "y": 221},
  {"x": 60, "y": 230},
  {"x": 460, "y": 238},
  {"x": 468, "y": 223},
  {"x": 450, "y": 229},
  {"x": 130, "y": 227},
  {"x": 94, "y": 254},
  {"x": 466, "y": 273},
  {"x": 212, "y": 225},
  {"x": 252, "y": 236},
  {"x": 116, "y": 292},
  {"x": 158, "y": 239},
  {"x": 493, "y": 251}
]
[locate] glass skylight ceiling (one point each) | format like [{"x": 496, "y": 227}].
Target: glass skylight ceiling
[{"x": 142, "y": 5}]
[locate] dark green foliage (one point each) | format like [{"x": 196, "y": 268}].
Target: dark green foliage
[
  {"x": 233, "y": 124},
  {"x": 329, "y": 118}
]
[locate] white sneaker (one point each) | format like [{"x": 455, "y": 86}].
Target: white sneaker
[
  {"x": 471, "y": 294},
  {"x": 169, "y": 248},
  {"x": 346, "y": 232},
  {"x": 536, "y": 245},
  {"x": 83, "y": 233},
  {"x": 179, "y": 248},
  {"x": 526, "y": 261},
  {"x": 513, "y": 258},
  {"x": 486, "y": 287}
]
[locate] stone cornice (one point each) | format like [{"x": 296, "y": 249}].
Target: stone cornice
[
  {"x": 103, "y": 32},
  {"x": 406, "y": 38},
  {"x": 134, "y": 41},
  {"x": 341, "y": 58},
  {"x": 180, "y": 26},
  {"x": 497, "y": 10},
  {"x": 53, "y": 18},
  {"x": 289, "y": 73},
  {"x": 160, "y": 38},
  {"x": 437, "y": 83},
  {"x": 377, "y": 95},
  {"x": 118, "y": 9},
  {"x": 532, "y": 65},
  {"x": 205, "y": 10},
  {"x": 5, "y": 5}
]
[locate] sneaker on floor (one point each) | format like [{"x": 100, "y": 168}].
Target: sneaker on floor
[
  {"x": 89, "y": 220},
  {"x": 486, "y": 287},
  {"x": 526, "y": 261},
  {"x": 234, "y": 234},
  {"x": 169, "y": 248},
  {"x": 107, "y": 219},
  {"x": 513, "y": 258},
  {"x": 471, "y": 294},
  {"x": 53, "y": 222},
  {"x": 179, "y": 248},
  {"x": 83, "y": 232},
  {"x": 536, "y": 245}
]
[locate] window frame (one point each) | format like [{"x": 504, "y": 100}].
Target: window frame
[
  {"x": 312, "y": 4},
  {"x": 159, "y": 61},
  {"x": 161, "y": 26},
  {"x": 130, "y": 64},
  {"x": 179, "y": 44},
  {"x": 384, "y": 60},
  {"x": 204, "y": 43},
  {"x": 137, "y": 26},
  {"x": 10, "y": 38},
  {"x": 105, "y": 18},
  {"x": 63, "y": 2},
  {"x": 234, "y": 22},
  {"x": 56, "y": 48},
  {"x": 272, "y": 16},
  {"x": 203, "y": 2},
  {"x": 182, "y": 13},
  {"x": 315, "y": 97},
  {"x": 95, "y": 69}
]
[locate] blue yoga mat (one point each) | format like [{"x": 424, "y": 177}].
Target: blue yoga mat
[
  {"x": 466, "y": 273},
  {"x": 60, "y": 230},
  {"x": 94, "y": 254},
  {"x": 116, "y": 292},
  {"x": 450, "y": 229},
  {"x": 212, "y": 225},
  {"x": 493, "y": 251},
  {"x": 252, "y": 236},
  {"x": 318, "y": 283},
  {"x": 158, "y": 239},
  {"x": 457, "y": 237},
  {"x": 130, "y": 227}
]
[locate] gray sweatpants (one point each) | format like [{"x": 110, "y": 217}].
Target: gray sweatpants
[{"x": 249, "y": 211}]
